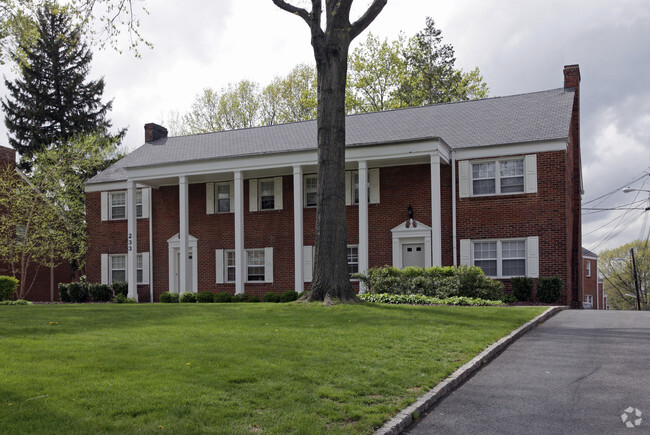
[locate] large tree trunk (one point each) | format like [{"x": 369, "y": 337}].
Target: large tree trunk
[{"x": 331, "y": 281}]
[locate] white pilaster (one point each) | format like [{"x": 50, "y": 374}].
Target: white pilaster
[
  {"x": 363, "y": 219},
  {"x": 436, "y": 212},
  {"x": 299, "y": 276},
  {"x": 132, "y": 241},
  {"x": 183, "y": 234},
  {"x": 240, "y": 259}
]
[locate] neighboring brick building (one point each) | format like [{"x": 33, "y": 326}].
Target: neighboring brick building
[
  {"x": 45, "y": 279},
  {"x": 594, "y": 296},
  {"x": 493, "y": 182}
]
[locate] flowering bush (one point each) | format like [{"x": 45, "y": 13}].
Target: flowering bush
[{"x": 386, "y": 298}]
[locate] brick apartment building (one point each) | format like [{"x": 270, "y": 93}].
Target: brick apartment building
[
  {"x": 42, "y": 280},
  {"x": 594, "y": 295},
  {"x": 494, "y": 183}
]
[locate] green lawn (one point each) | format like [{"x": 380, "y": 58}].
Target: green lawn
[{"x": 230, "y": 368}]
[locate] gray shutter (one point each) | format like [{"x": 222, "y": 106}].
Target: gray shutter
[
  {"x": 219, "y": 269},
  {"x": 146, "y": 197},
  {"x": 268, "y": 264},
  {"x": 532, "y": 256},
  {"x": 348, "y": 188},
  {"x": 277, "y": 192},
  {"x": 105, "y": 269},
  {"x": 104, "y": 206},
  {"x": 209, "y": 198},
  {"x": 252, "y": 195},
  {"x": 232, "y": 196},
  {"x": 530, "y": 169},
  {"x": 373, "y": 175},
  {"x": 308, "y": 263},
  {"x": 465, "y": 252},
  {"x": 145, "y": 267},
  {"x": 463, "y": 179}
]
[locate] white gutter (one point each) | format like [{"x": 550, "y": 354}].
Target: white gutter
[{"x": 453, "y": 205}]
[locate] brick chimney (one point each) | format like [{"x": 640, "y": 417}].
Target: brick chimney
[
  {"x": 153, "y": 132},
  {"x": 572, "y": 77},
  {"x": 7, "y": 156}
]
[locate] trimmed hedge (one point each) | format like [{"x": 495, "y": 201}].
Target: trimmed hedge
[
  {"x": 385, "y": 298},
  {"x": 271, "y": 297},
  {"x": 100, "y": 292},
  {"x": 188, "y": 298},
  {"x": 289, "y": 296},
  {"x": 522, "y": 288},
  {"x": 440, "y": 282},
  {"x": 223, "y": 297},
  {"x": 549, "y": 290},
  {"x": 78, "y": 292},
  {"x": 8, "y": 285},
  {"x": 120, "y": 287},
  {"x": 205, "y": 297},
  {"x": 168, "y": 298},
  {"x": 241, "y": 297}
]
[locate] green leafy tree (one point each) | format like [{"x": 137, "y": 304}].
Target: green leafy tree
[
  {"x": 239, "y": 106},
  {"x": 331, "y": 46},
  {"x": 291, "y": 98},
  {"x": 43, "y": 222},
  {"x": 105, "y": 21},
  {"x": 52, "y": 101},
  {"x": 431, "y": 77},
  {"x": 615, "y": 267}
]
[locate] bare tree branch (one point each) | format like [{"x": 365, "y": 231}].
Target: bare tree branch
[
  {"x": 362, "y": 23},
  {"x": 302, "y": 13}
]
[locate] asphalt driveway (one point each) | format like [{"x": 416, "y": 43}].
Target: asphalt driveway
[{"x": 577, "y": 373}]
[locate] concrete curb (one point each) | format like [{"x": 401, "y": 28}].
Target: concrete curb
[{"x": 405, "y": 417}]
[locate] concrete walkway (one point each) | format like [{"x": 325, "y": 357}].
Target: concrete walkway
[{"x": 577, "y": 373}]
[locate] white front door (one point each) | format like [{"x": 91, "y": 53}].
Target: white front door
[
  {"x": 177, "y": 272},
  {"x": 413, "y": 254}
]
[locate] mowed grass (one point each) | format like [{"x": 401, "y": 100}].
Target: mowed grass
[{"x": 230, "y": 368}]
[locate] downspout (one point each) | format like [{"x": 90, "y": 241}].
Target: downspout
[
  {"x": 150, "y": 244},
  {"x": 453, "y": 205}
]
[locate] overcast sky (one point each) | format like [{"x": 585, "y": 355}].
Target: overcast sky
[{"x": 519, "y": 46}]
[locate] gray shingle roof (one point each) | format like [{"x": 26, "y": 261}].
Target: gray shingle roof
[
  {"x": 532, "y": 117},
  {"x": 587, "y": 253}
]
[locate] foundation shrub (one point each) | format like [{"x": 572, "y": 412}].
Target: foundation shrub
[
  {"x": 522, "y": 288},
  {"x": 205, "y": 297},
  {"x": 549, "y": 290},
  {"x": 120, "y": 287},
  {"x": 242, "y": 297},
  {"x": 8, "y": 285},
  {"x": 188, "y": 298},
  {"x": 271, "y": 297},
  {"x": 168, "y": 298},
  {"x": 78, "y": 292},
  {"x": 63, "y": 292},
  {"x": 289, "y": 296},
  {"x": 100, "y": 292},
  {"x": 223, "y": 297}
]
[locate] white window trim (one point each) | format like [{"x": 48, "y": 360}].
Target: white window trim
[
  {"x": 107, "y": 263},
  {"x": 305, "y": 191},
  {"x": 221, "y": 269},
  {"x": 497, "y": 176},
  {"x": 308, "y": 261},
  {"x": 348, "y": 260},
  {"x": 465, "y": 180},
  {"x": 212, "y": 197},
  {"x": 107, "y": 207},
  {"x": 531, "y": 256},
  {"x": 588, "y": 272},
  {"x": 254, "y": 194},
  {"x": 373, "y": 187}
]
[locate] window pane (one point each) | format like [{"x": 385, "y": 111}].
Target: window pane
[
  {"x": 255, "y": 266},
  {"x": 489, "y": 266},
  {"x": 118, "y": 275},
  {"x": 118, "y": 205},
  {"x": 139, "y": 274},
  {"x": 514, "y": 267},
  {"x": 512, "y": 184},
  {"x": 516, "y": 249},
  {"x": 230, "y": 265},
  {"x": 355, "y": 185},
  {"x": 353, "y": 259},
  {"x": 483, "y": 170},
  {"x": 223, "y": 198},
  {"x": 511, "y": 168},
  {"x": 118, "y": 262},
  {"x": 311, "y": 188},
  {"x": 483, "y": 187},
  {"x": 267, "y": 195},
  {"x": 485, "y": 250}
]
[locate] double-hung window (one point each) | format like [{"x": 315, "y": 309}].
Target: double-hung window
[
  {"x": 498, "y": 177},
  {"x": 118, "y": 205},
  {"x": 115, "y": 268},
  {"x": 258, "y": 265},
  {"x": 311, "y": 190},
  {"x": 114, "y": 205},
  {"x": 588, "y": 269},
  {"x": 267, "y": 195},
  {"x": 352, "y": 187},
  {"x": 353, "y": 259},
  {"x": 500, "y": 258},
  {"x": 223, "y": 197}
]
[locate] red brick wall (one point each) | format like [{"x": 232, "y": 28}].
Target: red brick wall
[
  {"x": 591, "y": 283},
  {"x": 543, "y": 214}
]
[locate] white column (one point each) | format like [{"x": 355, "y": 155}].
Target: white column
[
  {"x": 132, "y": 241},
  {"x": 436, "y": 212},
  {"x": 240, "y": 259},
  {"x": 363, "y": 219},
  {"x": 298, "y": 230},
  {"x": 183, "y": 233}
]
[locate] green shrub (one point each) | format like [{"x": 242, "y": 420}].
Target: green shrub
[
  {"x": 8, "y": 285},
  {"x": 205, "y": 297},
  {"x": 16, "y": 302},
  {"x": 253, "y": 299},
  {"x": 188, "y": 298},
  {"x": 509, "y": 299},
  {"x": 63, "y": 292},
  {"x": 100, "y": 292},
  {"x": 168, "y": 297},
  {"x": 289, "y": 296},
  {"x": 120, "y": 287},
  {"x": 119, "y": 298},
  {"x": 241, "y": 297},
  {"x": 385, "y": 298},
  {"x": 549, "y": 290},
  {"x": 223, "y": 297},
  {"x": 78, "y": 292},
  {"x": 271, "y": 297},
  {"x": 522, "y": 288}
]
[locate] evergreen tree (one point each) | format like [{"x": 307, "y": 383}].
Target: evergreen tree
[{"x": 52, "y": 102}]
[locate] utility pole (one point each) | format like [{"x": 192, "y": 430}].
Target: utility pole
[{"x": 636, "y": 281}]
